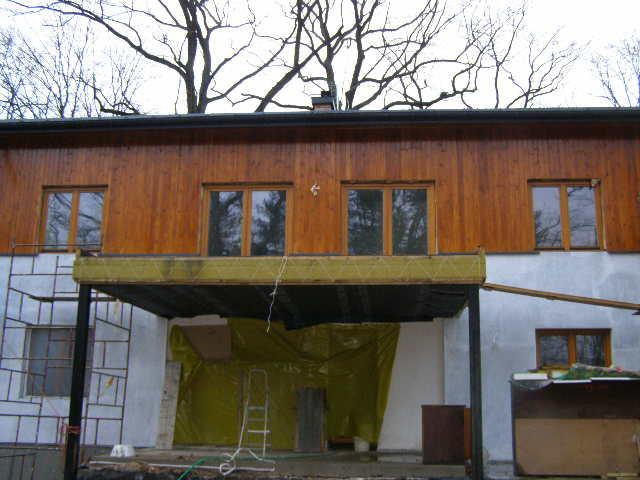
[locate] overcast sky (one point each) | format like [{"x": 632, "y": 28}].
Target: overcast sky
[{"x": 597, "y": 23}]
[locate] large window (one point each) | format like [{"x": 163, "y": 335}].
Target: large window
[
  {"x": 50, "y": 360},
  {"x": 561, "y": 348},
  {"x": 72, "y": 218},
  {"x": 389, "y": 220},
  {"x": 566, "y": 215},
  {"x": 246, "y": 221}
]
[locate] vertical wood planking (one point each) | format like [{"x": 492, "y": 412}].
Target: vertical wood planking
[{"x": 480, "y": 175}]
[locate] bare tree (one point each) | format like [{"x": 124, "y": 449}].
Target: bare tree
[
  {"x": 205, "y": 43},
  {"x": 376, "y": 53},
  {"x": 618, "y": 71},
  {"x": 372, "y": 56},
  {"x": 56, "y": 77},
  {"x": 523, "y": 66},
  {"x": 432, "y": 55}
]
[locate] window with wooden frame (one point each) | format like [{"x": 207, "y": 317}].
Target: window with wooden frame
[
  {"x": 561, "y": 348},
  {"x": 388, "y": 219},
  {"x": 246, "y": 220},
  {"x": 72, "y": 218},
  {"x": 567, "y": 215}
]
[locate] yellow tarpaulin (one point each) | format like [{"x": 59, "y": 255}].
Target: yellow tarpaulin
[{"x": 352, "y": 362}]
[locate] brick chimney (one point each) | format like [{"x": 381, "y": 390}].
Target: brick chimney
[{"x": 325, "y": 101}]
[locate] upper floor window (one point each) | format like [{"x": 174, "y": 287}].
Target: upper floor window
[
  {"x": 246, "y": 221},
  {"x": 389, "y": 220},
  {"x": 566, "y": 215},
  {"x": 72, "y": 218},
  {"x": 561, "y": 348}
]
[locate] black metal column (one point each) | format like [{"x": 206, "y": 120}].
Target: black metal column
[
  {"x": 475, "y": 380},
  {"x": 72, "y": 452}
]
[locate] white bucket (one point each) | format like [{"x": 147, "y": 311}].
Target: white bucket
[
  {"x": 360, "y": 445},
  {"x": 123, "y": 451}
]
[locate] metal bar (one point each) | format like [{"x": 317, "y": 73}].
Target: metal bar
[
  {"x": 54, "y": 298},
  {"x": 11, "y": 468},
  {"x": 72, "y": 453},
  {"x": 601, "y": 302},
  {"x": 33, "y": 466},
  {"x": 475, "y": 382}
]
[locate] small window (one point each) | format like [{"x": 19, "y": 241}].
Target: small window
[
  {"x": 564, "y": 347},
  {"x": 389, "y": 220},
  {"x": 246, "y": 221},
  {"x": 72, "y": 219},
  {"x": 50, "y": 360},
  {"x": 566, "y": 215}
]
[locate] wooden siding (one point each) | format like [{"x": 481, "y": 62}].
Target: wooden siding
[{"x": 155, "y": 180}]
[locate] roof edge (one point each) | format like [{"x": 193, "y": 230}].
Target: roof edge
[{"x": 321, "y": 119}]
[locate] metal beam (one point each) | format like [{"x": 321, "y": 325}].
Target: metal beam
[
  {"x": 74, "y": 430},
  {"x": 475, "y": 382}
]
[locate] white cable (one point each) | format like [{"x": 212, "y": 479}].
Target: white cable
[{"x": 283, "y": 265}]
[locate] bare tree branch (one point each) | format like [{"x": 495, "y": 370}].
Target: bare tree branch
[
  {"x": 618, "y": 70},
  {"x": 56, "y": 77}
]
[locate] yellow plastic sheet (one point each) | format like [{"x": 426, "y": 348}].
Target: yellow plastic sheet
[{"x": 352, "y": 362}]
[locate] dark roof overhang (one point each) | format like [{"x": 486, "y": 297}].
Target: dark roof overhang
[{"x": 321, "y": 119}]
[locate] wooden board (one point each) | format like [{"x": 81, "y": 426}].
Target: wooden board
[
  {"x": 443, "y": 434},
  {"x": 585, "y": 447},
  {"x": 156, "y": 180},
  {"x": 310, "y": 424},
  {"x": 374, "y": 270}
]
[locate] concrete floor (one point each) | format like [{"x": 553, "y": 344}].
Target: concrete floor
[
  {"x": 47, "y": 462},
  {"x": 335, "y": 464}
]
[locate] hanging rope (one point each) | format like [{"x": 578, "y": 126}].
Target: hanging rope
[{"x": 283, "y": 266}]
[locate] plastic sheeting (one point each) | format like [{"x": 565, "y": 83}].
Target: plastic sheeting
[{"x": 352, "y": 362}]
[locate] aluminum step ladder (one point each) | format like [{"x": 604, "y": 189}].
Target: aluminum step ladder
[{"x": 255, "y": 433}]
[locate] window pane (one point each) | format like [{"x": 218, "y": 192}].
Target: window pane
[
  {"x": 225, "y": 224},
  {"x": 50, "y": 361},
  {"x": 582, "y": 217},
  {"x": 58, "y": 219},
  {"x": 37, "y": 360},
  {"x": 52, "y": 354},
  {"x": 546, "y": 214},
  {"x": 90, "y": 218},
  {"x": 365, "y": 222},
  {"x": 268, "y": 222},
  {"x": 409, "y": 222},
  {"x": 590, "y": 350},
  {"x": 554, "y": 350}
]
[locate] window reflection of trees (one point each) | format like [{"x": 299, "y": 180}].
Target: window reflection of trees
[
  {"x": 409, "y": 222},
  {"x": 268, "y": 222},
  {"x": 590, "y": 350},
  {"x": 89, "y": 218},
  {"x": 365, "y": 222},
  {"x": 554, "y": 350},
  {"x": 58, "y": 219},
  {"x": 546, "y": 214},
  {"x": 582, "y": 217},
  {"x": 225, "y": 224}
]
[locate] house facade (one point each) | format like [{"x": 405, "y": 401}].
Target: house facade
[{"x": 549, "y": 200}]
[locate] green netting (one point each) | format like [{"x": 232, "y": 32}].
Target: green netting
[{"x": 352, "y": 362}]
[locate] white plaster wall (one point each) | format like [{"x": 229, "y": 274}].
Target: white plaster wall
[
  {"x": 417, "y": 379},
  {"x": 146, "y": 378},
  {"x": 508, "y": 324},
  {"x": 146, "y": 365},
  {"x": 431, "y": 364}
]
